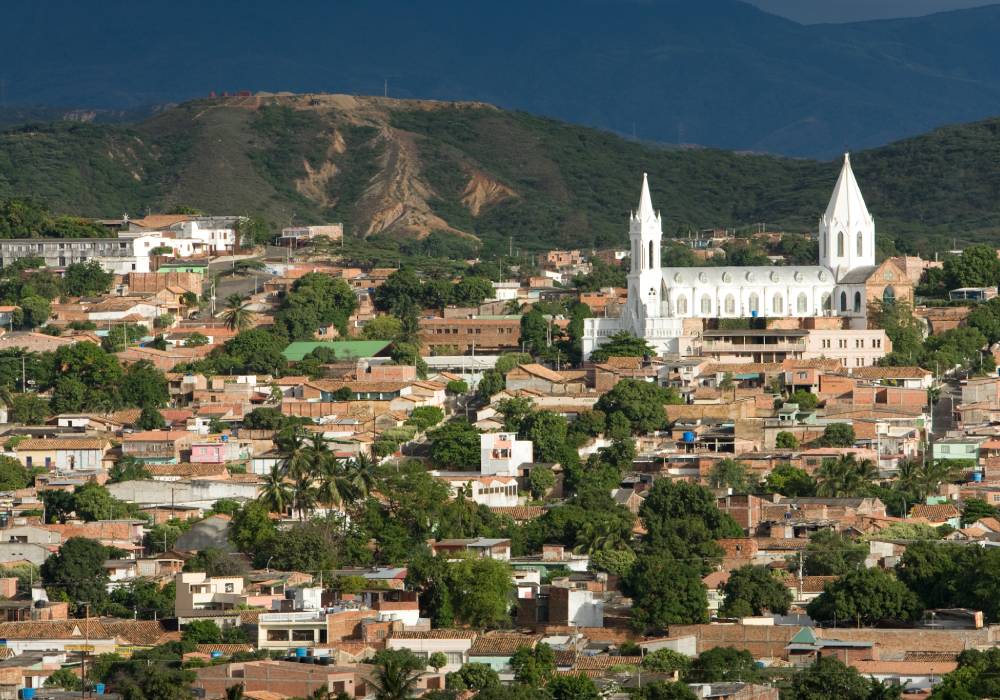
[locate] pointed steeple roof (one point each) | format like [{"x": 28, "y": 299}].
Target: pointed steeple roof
[
  {"x": 846, "y": 204},
  {"x": 645, "y": 202}
]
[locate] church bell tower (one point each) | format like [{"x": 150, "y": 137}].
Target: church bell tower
[
  {"x": 645, "y": 278},
  {"x": 846, "y": 230}
]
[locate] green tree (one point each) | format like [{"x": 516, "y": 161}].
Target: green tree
[
  {"x": 382, "y": 327},
  {"x": 829, "y": 677},
  {"x": 789, "y": 481},
  {"x": 572, "y": 687},
  {"x": 396, "y": 674},
  {"x": 665, "y": 661},
  {"x": 77, "y": 572},
  {"x": 195, "y": 340},
  {"x": 202, "y": 632},
  {"x": 29, "y": 409},
  {"x": 866, "y": 596},
  {"x": 252, "y": 231},
  {"x": 163, "y": 536},
  {"x": 492, "y": 382},
  {"x": 547, "y": 432},
  {"x": 13, "y": 475},
  {"x": 838, "y": 435},
  {"x": 977, "y": 266},
  {"x": 316, "y": 300},
  {"x": 729, "y": 474},
  {"x": 424, "y": 417},
  {"x": 455, "y": 445},
  {"x": 614, "y": 561},
  {"x": 65, "y": 679},
  {"x": 144, "y": 385},
  {"x": 590, "y": 423},
  {"x": 400, "y": 285},
  {"x": 902, "y": 327},
  {"x": 238, "y": 316},
  {"x": 128, "y": 468},
  {"x": 150, "y": 419},
  {"x": 758, "y": 587},
  {"x": 541, "y": 480},
  {"x": 722, "y": 665},
  {"x": 622, "y": 344},
  {"x": 830, "y": 553},
  {"x": 659, "y": 690},
  {"x": 974, "y": 509},
  {"x": 806, "y": 401},
  {"x": 473, "y": 676},
  {"x": 480, "y": 590},
  {"x": 665, "y": 591},
  {"x": 683, "y": 520},
  {"x": 94, "y": 502},
  {"x": 533, "y": 667},
  {"x": 457, "y": 387},
  {"x": 641, "y": 402},
  {"x": 844, "y": 477},
  {"x": 786, "y": 441},
  {"x": 33, "y": 312},
  {"x": 253, "y": 351},
  {"x": 977, "y": 676}
]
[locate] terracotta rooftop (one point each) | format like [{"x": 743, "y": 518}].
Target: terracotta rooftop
[
  {"x": 537, "y": 370},
  {"x": 435, "y": 634},
  {"x": 44, "y": 444},
  {"x": 500, "y": 644},
  {"x": 935, "y": 513},
  {"x": 603, "y": 663},
  {"x": 519, "y": 512},
  {"x": 890, "y": 372}
]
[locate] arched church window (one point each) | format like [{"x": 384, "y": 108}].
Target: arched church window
[
  {"x": 706, "y": 305},
  {"x": 754, "y": 303},
  {"x": 888, "y": 295},
  {"x": 778, "y": 304},
  {"x": 840, "y": 244},
  {"x": 827, "y": 302},
  {"x": 730, "y": 304},
  {"x": 651, "y": 265},
  {"x": 857, "y": 302},
  {"x": 843, "y": 301},
  {"x": 860, "y": 244},
  {"x": 801, "y": 303},
  {"x": 682, "y": 305}
]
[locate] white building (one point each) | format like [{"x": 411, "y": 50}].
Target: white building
[
  {"x": 503, "y": 454},
  {"x": 661, "y": 299},
  {"x": 495, "y": 491}
]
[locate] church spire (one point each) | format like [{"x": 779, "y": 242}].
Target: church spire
[
  {"x": 847, "y": 206},
  {"x": 645, "y": 202}
]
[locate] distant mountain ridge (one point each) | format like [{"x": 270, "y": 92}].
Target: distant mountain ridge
[
  {"x": 474, "y": 173},
  {"x": 712, "y": 72}
]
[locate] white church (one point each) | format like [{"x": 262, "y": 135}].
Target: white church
[{"x": 660, "y": 299}]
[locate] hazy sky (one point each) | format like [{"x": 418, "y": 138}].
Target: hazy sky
[{"x": 812, "y": 11}]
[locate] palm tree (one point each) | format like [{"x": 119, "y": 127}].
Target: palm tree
[
  {"x": 596, "y": 537},
  {"x": 274, "y": 492},
  {"x": 303, "y": 495},
  {"x": 844, "y": 477},
  {"x": 360, "y": 473},
  {"x": 237, "y": 316},
  {"x": 930, "y": 475},
  {"x": 395, "y": 676}
]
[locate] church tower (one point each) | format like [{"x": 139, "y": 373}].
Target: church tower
[
  {"x": 846, "y": 230},
  {"x": 645, "y": 277}
]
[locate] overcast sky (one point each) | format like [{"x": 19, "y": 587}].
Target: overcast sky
[{"x": 812, "y": 11}]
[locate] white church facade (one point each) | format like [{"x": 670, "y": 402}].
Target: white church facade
[{"x": 661, "y": 299}]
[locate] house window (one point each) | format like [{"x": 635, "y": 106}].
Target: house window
[
  {"x": 303, "y": 636},
  {"x": 877, "y": 343},
  {"x": 859, "y": 343},
  {"x": 277, "y": 635},
  {"x": 230, "y": 587}
]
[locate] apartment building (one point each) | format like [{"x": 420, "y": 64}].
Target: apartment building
[
  {"x": 115, "y": 255},
  {"x": 482, "y": 333},
  {"x": 197, "y": 592}
]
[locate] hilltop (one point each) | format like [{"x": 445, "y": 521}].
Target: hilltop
[{"x": 406, "y": 169}]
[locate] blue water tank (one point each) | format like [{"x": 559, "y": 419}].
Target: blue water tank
[
  {"x": 216, "y": 654},
  {"x": 977, "y": 476},
  {"x": 99, "y": 688},
  {"x": 688, "y": 436},
  {"x": 301, "y": 651},
  {"x": 27, "y": 693},
  {"x": 753, "y": 314}
]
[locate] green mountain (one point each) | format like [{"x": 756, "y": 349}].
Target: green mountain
[{"x": 448, "y": 171}]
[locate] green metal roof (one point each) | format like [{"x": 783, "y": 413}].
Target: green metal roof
[{"x": 344, "y": 349}]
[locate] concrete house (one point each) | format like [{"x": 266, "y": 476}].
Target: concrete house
[{"x": 74, "y": 454}]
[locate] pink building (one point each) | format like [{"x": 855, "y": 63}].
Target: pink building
[{"x": 852, "y": 347}]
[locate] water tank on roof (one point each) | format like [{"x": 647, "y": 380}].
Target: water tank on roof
[
  {"x": 688, "y": 436},
  {"x": 977, "y": 476},
  {"x": 99, "y": 688},
  {"x": 301, "y": 651},
  {"x": 27, "y": 693}
]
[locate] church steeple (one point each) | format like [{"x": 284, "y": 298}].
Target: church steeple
[
  {"x": 846, "y": 230},
  {"x": 645, "y": 278},
  {"x": 645, "y": 210}
]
